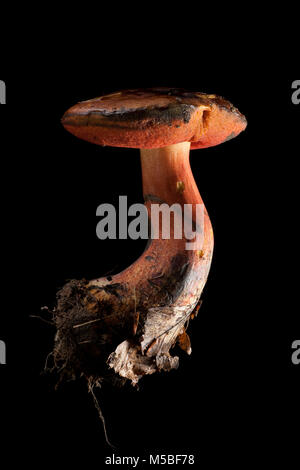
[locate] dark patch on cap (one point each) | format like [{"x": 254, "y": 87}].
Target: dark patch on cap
[
  {"x": 151, "y": 116},
  {"x": 227, "y": 106},
  {"x": 167, "y": 114}
]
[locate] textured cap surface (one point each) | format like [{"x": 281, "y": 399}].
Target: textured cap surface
[{"x": 155, "y": 117}]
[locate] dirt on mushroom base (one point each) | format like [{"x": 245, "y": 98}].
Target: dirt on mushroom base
[
  {"x": 100, "y": 339},
  {"x": 78, "y": 350}
]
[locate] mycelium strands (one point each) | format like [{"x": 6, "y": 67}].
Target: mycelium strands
[{"x": 132, "y": 319}]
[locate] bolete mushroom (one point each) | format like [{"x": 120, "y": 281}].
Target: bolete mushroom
[{"x": 131, "y": 320}]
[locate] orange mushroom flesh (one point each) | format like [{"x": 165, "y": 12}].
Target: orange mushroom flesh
[{"x": 131, "y": 320}]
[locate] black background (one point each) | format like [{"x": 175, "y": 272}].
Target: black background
[{"x": 235, "y": 398}]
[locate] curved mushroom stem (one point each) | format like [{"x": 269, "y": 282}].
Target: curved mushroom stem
[{"x": 133, "y": 318}]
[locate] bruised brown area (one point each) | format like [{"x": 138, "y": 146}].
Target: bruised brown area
[{"x": 154, "y": 118}]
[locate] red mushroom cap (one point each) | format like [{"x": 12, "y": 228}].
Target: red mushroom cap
[{"x": 154, "y": 118}]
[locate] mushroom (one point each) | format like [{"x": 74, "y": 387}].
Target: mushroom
[{"x": 131, "y": 320}]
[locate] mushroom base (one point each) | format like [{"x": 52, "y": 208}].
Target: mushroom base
[{"x": 91, "y": 343}]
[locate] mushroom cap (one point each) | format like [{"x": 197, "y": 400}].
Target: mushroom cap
[{"x": 154, "y": 118}]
